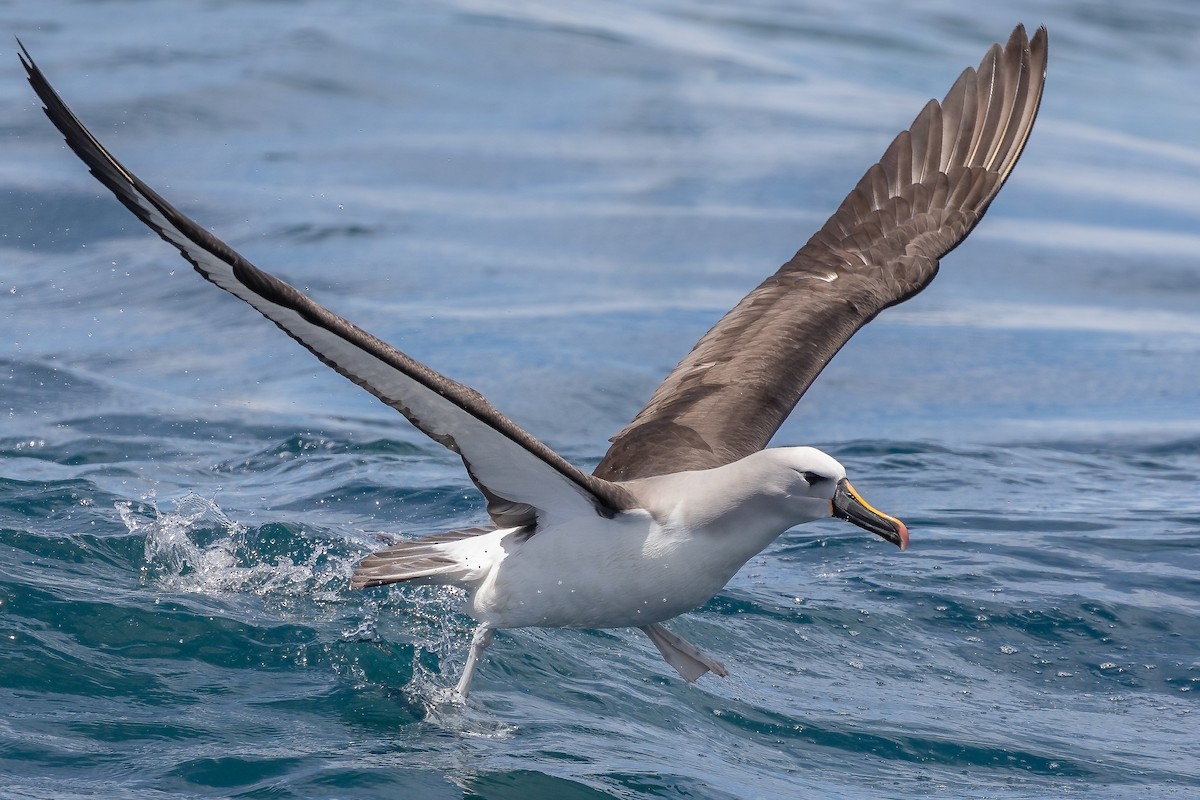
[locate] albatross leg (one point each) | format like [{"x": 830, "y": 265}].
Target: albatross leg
[
  {"x": 479, "y": 642},
  {"x": 687, "y": 660}
]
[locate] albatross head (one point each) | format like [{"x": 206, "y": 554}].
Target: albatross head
[{"x": 814, "y": 484}]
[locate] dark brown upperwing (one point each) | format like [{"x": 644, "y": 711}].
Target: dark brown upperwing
[{"x": 931, "y": 187}]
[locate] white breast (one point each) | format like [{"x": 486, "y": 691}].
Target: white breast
[{"x": 602, "y": 573}]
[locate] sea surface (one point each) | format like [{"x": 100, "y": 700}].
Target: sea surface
[{"x": 551, "y": 200}]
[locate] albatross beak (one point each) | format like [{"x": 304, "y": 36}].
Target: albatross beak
[{"x": 848, "y": 505}]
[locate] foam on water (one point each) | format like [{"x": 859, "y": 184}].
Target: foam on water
[
  {"x": 197, "y": 549},
  {"x": 231, "y": 560}
]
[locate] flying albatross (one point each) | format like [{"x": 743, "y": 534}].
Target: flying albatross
[{"x": 688, "y": 492}]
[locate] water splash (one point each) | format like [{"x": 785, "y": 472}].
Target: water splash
[
  {"x": 431, "y": 621},
  {"x": 198, "y": 548}
]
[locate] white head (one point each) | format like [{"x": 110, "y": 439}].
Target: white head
[
  {"x": 803, "y": 477},
  {"x": 812, "y": 485},
  {"x": 758, "y": 497}
]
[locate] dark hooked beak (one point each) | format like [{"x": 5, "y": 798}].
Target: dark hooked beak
[{"x": 848, "y": 505}]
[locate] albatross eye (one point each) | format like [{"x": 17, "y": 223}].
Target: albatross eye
[{"x": 812, "y": 477}]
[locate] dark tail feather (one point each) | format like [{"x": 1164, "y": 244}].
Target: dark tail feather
[{"x": 426, "y": 560}]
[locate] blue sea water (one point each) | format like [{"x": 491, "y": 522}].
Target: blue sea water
[{"x": 551, "y": 200}]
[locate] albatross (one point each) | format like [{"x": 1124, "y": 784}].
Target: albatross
[{"x": 689, "y": 490}]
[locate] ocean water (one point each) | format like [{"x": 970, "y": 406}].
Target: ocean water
[{"x": 551, "y": 201}]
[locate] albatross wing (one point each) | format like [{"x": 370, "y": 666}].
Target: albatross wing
[
  {"x": 521, "y": 478},
  {"x": 931, "y": 187}
]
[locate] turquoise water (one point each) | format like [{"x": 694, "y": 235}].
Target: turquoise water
[{"x": 551, "y": 201}]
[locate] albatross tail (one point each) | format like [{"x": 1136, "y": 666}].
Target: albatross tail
[{"x": 454, "y": 557}]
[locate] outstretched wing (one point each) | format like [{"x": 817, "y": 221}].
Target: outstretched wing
[
  {"x": 520, "y": 477},
  {"x": 931, "y": 187}
]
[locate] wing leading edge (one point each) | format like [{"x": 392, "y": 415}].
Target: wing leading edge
[{"x": 521, "y": 478}]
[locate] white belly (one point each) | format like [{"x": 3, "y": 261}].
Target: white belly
[{"x": 622, "y": 572}]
